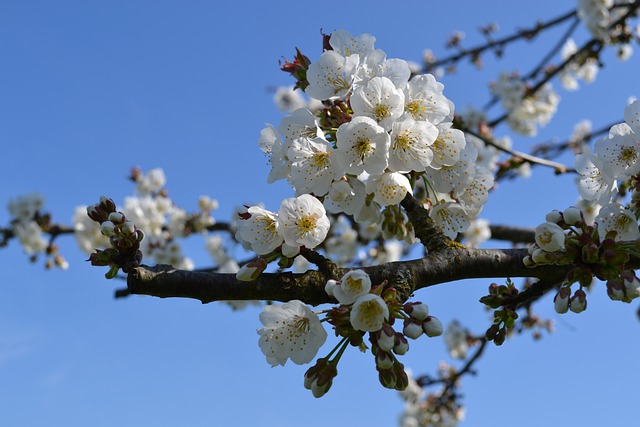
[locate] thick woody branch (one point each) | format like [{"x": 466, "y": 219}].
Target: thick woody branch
[{"x": 451, "y": 264}]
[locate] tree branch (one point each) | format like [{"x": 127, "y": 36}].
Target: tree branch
[{"x": 448, "y": 265}]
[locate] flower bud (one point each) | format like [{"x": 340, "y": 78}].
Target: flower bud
[
  {"x": 432, "y": 327},
  {"x": 412, "y": 329},
  {"x": 631, "y": 287},
  {"x": 578, "y": 302},
  {"x": 108, "y": 228},
  {"x": 251, "y": 271},
  {"x": 615, "y": 290},
  {"x": 116, "y": 217},
  {"x": 386, "y": 337},
  {"x": 387, "y": 378},
  {"x": 554, "y": 216},
  {"x": 384, "y": 360},
  {"x": 572, "y": 215},
  {"x": 561, "y": 300},
  {"x": 417, "y": 310},
  {"x": 328, "y": 288},
  {"x": 402, "y": 345},
  {"x": 129, "y": 228}
]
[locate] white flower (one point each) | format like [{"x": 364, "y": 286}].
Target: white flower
[
  {"x": 586, "y": 71},
  {"x": 455, "y": 337},
  {"x": 30, "y": 236},
  {"x": 288, "y": 99},
  {"x": 362, "y": 145},
  {"x": 380, "y": 100},
  {"x": 350, "y": 203},
  {"x": 457, "y": 176},
  {"x": 594, "y": 184},
  {"x": 369, "y": 313},
  {"x": 423, "y": 99},
  {"x": 152, "y": 182},
  {"x": 331, "y": 75},
  {"x": 313, "y": 166},
  {"x": 352, "y": 285},
  {"x": 301, "y": 123},
  {"x": 302, "y": 221},
  {"x": 389, "y": 188},
  {"x": 451, "y": 217},
  {"x": 24, "y": 208},
  {"x": 476, "y": 194},
  {"x": 447, "y": 146},
  {"x": 291, "y": 331},
  {"x": 87, "y": 231},
  {"x": 477, "y": 233},
  {"x": 620, "y": 152},
  {"x": 632, "y": 116},
  {"x": 550, "y": 237},
  {"x": 411, "y": 145},
  {"x": 346, "y": 45},
  {"x": 271, "y": 144},
  {"x": 618, "y": 218},
  {"x": 259, "y": 230},
  {"x": 376, "y": 64}
]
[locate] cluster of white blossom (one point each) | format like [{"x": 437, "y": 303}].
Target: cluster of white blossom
[
  {"x": 421, "y": 410},
  {"x": 525, "y": 111},
  {"x": 614, "y": 160},
  {"x": 23, "y": 209},
  {"x": 585, "y": 69},
  {"x": 301, "y": 221},
  {"x": 391, "y": 132},
  {"x": 598, "y": 235},
  {"x": 156, "y": 215}
]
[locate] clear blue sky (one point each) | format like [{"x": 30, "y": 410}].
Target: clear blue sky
[{"x": 90, "y": 89}]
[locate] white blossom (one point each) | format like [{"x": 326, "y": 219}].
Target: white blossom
[
  {"x": 291, "y": 331},
  {"x": 302, "y": 221},
  {"x": 618, "y": 218},
  {"x": 389, "y": 188},
  {"x": 379, "y": 100},
  {"x": 550, "y": 237},
  {"x": 411, "y": 143},
  {"x": 331, "y": 76},
  {"x": 313, "y": 166},
  {"x": 369, "y": 313},
  {"x": 362, "y": 145},
  {"x": 423, "y": 99},
  {"x": 353, "y": 285},
  {"x": 259, "y": 230}
]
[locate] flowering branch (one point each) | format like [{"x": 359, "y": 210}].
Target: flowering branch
[{"x": 526, "y": 34}]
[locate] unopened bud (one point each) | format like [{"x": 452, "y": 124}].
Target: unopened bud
[
  {"x": 561, "y": 300},
  {"x": 432, "y": 327},
  {"x": 417, "y": 310},
  {"x": 251, "y": 271},
  {"x": 412, "y": 329},
  {"x": 578, "y": 302}
]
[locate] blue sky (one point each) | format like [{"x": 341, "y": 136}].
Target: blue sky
[{"x": 90, "y": 89}]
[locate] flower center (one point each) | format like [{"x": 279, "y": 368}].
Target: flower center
[
  {"x": 628, "y": 155},
  {"x": 320, "y": 160},
  {"x": 363, "y": 147},
  {"x": 380, "y": 111},
  {"x": 300, "y": 324},
  {"x": 306, "y": 224},
  {"x": 416, "y": 109}
]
